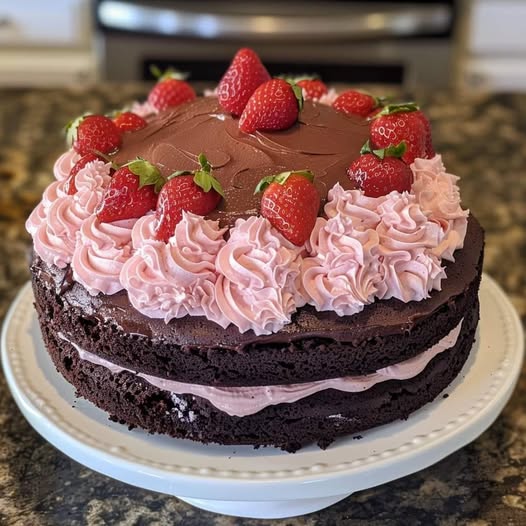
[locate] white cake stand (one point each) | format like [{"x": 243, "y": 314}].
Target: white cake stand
[{"x": 265, "y": 483}]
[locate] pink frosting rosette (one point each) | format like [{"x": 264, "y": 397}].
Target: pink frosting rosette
[
  {"x": 56, "y": 236},
  {"x": 343, "y": 273},
  {"x": 100, "y": 253},
  {"x": 439, "y": 197},
  {"x": 39, "y": 213},
  {"x": 409, "y": 269},
  {"x": 259, "y": 283},
  {"x": 64, "y": 164},
  {"x": 353, "y": 208},
  {"x": 171, "y": 280}
]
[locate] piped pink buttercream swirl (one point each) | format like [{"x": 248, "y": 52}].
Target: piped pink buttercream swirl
[
  {"x": 342, "y": 275},
  {"x": 259, "y": 280},
  {"x": 100, "y": 253},
  {"x": 353, "y": 208},
  {"x": 64, "y": 164},
  {"x": 408, "y": 267},
  {"x": 171, "y": 280},
  {"x": 56, "y": 236},
  {"x": 439, "y": 196}
]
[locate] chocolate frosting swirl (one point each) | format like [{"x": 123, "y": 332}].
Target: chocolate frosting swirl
[{"x": 323, "y": 141}]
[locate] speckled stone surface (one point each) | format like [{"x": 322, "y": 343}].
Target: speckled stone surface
[{"x": 482, "y": 139}]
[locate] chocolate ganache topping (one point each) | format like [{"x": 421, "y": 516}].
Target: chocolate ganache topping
[{"x": 323, "y": 141}]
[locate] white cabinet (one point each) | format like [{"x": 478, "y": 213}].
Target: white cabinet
[
  {"x": 493, "y": 43},
  {"x": 46, "y": 42}
]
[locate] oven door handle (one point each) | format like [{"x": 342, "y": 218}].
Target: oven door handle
[{"x": 378, "y": 21}]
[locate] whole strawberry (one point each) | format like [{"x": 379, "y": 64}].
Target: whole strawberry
[
  {"x": 397, "y": 123},
  {"x": 359, "y": 103},
  {"x": 379, "y": 172},
  {"x": 313, "y": 89},
  {"x": 291, "y": 203},
  {"x": 275, "y": 105},
  {"x": 198, "y": 192},
  {"x": 244, "y": 75},
  {"x": 69, "y": 185},
  {"x": 430, "y": 150},
  {"x": 132, "y": 192},
  {"x": 127, "y": 121},
  {"x": 170, "y": 91},
  {"x": 92, "y": 134}
]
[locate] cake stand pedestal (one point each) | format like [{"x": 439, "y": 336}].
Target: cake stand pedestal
[{"x": 267, "y": 483}]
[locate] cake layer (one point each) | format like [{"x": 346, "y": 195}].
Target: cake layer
[
  {"x": 320, "y": 418},
  {"x": 315, "y": 346}
]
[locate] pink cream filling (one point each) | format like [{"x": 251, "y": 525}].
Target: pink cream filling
[{"x": 244, "y": 401}]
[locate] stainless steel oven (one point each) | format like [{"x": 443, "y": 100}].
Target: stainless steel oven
[{"x": 407, "y": 43}]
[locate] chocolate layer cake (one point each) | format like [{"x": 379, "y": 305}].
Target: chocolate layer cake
[{"x": 229, "y": 330}]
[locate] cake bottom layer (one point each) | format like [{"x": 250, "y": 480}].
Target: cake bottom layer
[{"x": 320, "y": 418}]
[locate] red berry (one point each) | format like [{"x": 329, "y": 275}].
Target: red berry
[
  {"x": 430, "y": 151},
  {"x": 354, "y": 102},
  {"x": 377, "y": 177},
  {"x": 312, "y": 88},
  {"x": 275, "y": 105},
  {"x": 94, "y": 133},
  {"x": 128, "y": 121},
  {"x": 132, "y": 192},
  {"x": 244, "y": 75},
  {"x": 198, "y": 192},
  {"x": 291, "y": 203},
  {"x": 392, "y": 128},
  {"x": 170, "y": 92},
  {"x": 69, "y": 185}
]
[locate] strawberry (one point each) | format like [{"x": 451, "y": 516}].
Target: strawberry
[
  {"x": 69, "y": 185},
  {"x": 198, "y": 192},
  {"x": 93, "y": 133},
  {"x": 128, "y": 121},
  {"x": 131, "y": 193},
  {"x": 170, "y": 90},
  {"x": 275, "y": 105},
  {"x": 359, "y": 103},
  {"x": 430, "y": 151},
  {"x": 291, "y": 203},
  {"x": 397, "y": 123},
  {"x": 378, "y": 172},
  {"x": 312, "y": 88},
  {"x": 244, "y": 75}
]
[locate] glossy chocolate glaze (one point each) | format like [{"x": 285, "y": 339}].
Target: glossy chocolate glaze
[{"x": 323, "y": 141}]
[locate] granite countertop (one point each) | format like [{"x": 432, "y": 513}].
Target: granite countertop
[{"x": 482, "y": 138}]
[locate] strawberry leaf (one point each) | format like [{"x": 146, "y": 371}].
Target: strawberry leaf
[
  {"x": 147, "y": 173},
  {"x": 202, "y": 179},
  {"x": 264, "y": 183},
  {"x": 402, "y": 107},
  {"x": 281, "y": 179},
  {"x": 169, "y": 73},
  {"x": 298, "y": 93},
  {"x": 203, "y": 161},
  {"x": 391, "y": 151}
]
